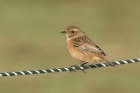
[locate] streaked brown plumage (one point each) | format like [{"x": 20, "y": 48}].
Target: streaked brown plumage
[{"x": 82, "y": 48}]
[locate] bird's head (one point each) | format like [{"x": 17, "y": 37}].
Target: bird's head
[{"x": 72, "y": 32}]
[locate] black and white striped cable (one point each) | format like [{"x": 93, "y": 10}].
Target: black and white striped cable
[{"x": 30, "y": 72}]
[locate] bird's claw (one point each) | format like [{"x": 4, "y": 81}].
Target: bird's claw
[{"x": 74, "y": 69}]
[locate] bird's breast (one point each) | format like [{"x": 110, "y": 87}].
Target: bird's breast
[
  {"x": 74, "y": 51},
  {"x": 79, "y": 54}
]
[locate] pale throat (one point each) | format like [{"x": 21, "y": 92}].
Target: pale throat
[
  {"x": 74, "y": 36},
  {"x": 68, "y": 38}
]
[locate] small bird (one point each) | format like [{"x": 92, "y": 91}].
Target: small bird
[{"x": 81, "y": 47}]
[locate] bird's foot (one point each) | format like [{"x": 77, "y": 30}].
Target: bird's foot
[
  {"x": 83, "y": 65},
  {"x": 74, "y": 69}
]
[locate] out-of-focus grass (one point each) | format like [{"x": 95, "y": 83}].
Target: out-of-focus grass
[{"x": 30, "y": 39}]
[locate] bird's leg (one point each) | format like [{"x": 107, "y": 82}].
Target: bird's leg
[
  {"x": 74, "y": 67},
  {"x": 83, "y": 65}
]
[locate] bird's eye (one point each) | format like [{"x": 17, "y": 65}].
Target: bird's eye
[{"x": 72, "y": 31}]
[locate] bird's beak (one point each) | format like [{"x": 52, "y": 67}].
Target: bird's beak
[{"x": 64, "y": 32}]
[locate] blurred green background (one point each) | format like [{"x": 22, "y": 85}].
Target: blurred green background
[{"x": 30, "y": 39}]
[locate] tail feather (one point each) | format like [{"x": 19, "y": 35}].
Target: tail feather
[{"x": 110, "y": 64}]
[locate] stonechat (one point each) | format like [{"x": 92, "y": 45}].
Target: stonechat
[{"x": 81, "y": 47}]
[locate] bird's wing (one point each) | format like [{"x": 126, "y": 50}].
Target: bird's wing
[
  {"x": 91, "y": 48},
  {"x": 84, "y": 43}
]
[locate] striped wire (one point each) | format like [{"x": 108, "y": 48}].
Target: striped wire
[{"x": 30, "y": 72}]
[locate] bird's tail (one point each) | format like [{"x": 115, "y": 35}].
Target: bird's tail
[{"x": 110, "y": 64}]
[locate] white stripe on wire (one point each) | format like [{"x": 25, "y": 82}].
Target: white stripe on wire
[
  {"x": 7, "y": 73},
  {"x": 103, "y": 65},
  {"x": 81, "y": 67},
  {"x": 37, "y": 71},
  {"x": 73, "y": 68},
  {"x": 59, "y": 69},
  {"x": 117, "y": 62},
  {"x": 52, "y": 70},
  {"x": 44, "y": 71},
  {"x": 66, "y": 69},
  {"x": 29, "y": 72},
  {"x": 138, "y": 59},
  {"x": 14, "y": 73},
  {"x": 132, "y": 60},
  {"x": 125, "y": 61},
  {"x": 22, "y": 73}
]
